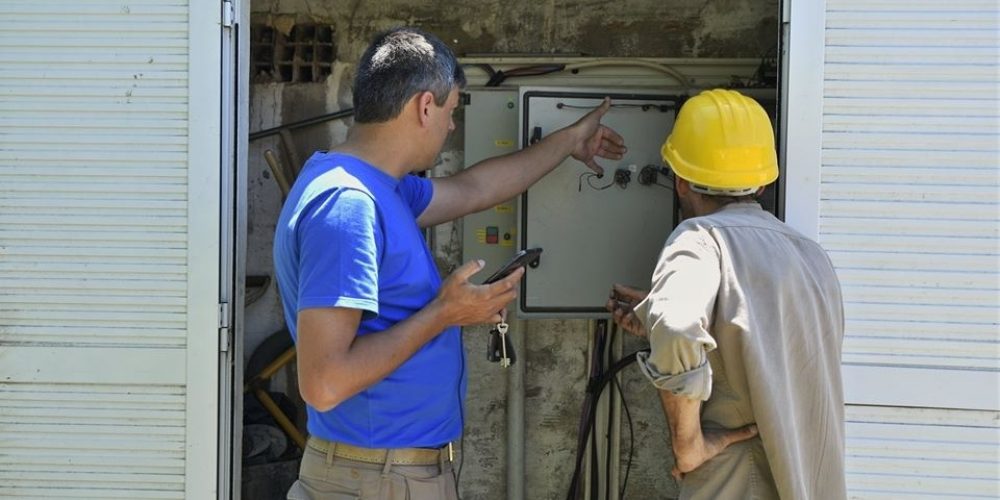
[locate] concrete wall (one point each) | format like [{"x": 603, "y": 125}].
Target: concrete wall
[
  {"x": 665, "y": 28},
  {"x": 554, "y": 351}
]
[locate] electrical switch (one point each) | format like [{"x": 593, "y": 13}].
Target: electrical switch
[{"x": 492, "y": 235}]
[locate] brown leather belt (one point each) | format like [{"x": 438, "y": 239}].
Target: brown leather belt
[{"x": 398, "y": 456}]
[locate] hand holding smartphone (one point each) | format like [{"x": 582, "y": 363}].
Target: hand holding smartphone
[{"x": 520, "y": 259}]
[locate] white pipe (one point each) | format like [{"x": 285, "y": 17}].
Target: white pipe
[
  {"x": 515, "y": 414},
  {"x": 662, "y": 68}
]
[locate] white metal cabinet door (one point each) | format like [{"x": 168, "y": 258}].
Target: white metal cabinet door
[
  {"x": 109, "y": 248},
  {"x": 893, "y": 163}
]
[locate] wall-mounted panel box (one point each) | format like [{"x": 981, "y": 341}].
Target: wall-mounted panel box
[
  {"x": 490, "y": 130},
  {"x": 594, "y": 231}
]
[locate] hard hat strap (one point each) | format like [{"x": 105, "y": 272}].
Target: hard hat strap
[{"x": 723, "y": 192}]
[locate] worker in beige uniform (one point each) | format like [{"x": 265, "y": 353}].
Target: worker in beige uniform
[{"x": 744, "y": 319}]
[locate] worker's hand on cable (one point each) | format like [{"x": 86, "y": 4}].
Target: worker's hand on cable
[
  {"x": 463, "y": 303},
  {"x": 621, "y": 304},
  {"x": 594, "y": 139}
]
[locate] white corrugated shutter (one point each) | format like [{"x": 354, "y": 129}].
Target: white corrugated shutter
[
  {"x": 109, "y": 213},
  {"x": 910, "y": 182},
  {"x": 894, "y": 127},
  {"x": 896, "y": 453}
]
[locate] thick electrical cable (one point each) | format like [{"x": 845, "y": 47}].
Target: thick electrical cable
[
  {"x": 594, "y": 387},
  {"x": 535, "y": 70},
  {"x": 486, "y": 68},
  {"x": 631, "y": 439}
]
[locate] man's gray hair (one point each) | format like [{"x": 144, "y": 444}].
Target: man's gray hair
[{"x": 399, "y": 64}]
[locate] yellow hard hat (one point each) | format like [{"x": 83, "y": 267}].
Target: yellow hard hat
[{"x": 722, "y": 143}]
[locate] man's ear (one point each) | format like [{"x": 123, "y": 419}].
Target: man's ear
[
  {"x": 424, "y": 102},
  {"x": 681, "y": 186}
]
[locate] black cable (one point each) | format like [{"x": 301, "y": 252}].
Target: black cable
[
  {"x": 663, "y": 108},
  {"x": 590, "y": 412},
  {"x": 581, "y": 443},
  {"x": 599, "y": 188},
  {"x": 534, "y": 70},
  {"x": 590, "y": 182},
  {"x": 594, "y": 479},
  {"x": 485, "y": 67},
  {"x": 631, "y": 438},
  {"x": 316, "y": 120}
]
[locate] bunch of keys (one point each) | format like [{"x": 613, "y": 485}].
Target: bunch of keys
[{"x": 500, "y": 348}]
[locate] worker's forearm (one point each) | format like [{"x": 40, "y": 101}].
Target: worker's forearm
[
  {"x": 500, "y": 178},
  {"x": 684, "y": 418},
  {"x": 693, "y": 446},
  {"x": 374, "y": 356}
]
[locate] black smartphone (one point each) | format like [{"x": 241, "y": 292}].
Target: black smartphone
[{"x": 521, "y": 259}]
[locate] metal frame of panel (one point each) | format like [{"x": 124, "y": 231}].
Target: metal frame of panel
[
  {"x": 490, "y": 130},
  {"x": 529, "y": 301}
]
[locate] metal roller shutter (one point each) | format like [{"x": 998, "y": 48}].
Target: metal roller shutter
[{"x": 109, "y": 213}]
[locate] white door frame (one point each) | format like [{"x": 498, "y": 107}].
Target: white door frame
[
  {"x": 204, "y": 178},
  {"x": 234, "y": 138},
  {"x": 802, "y": 91}
]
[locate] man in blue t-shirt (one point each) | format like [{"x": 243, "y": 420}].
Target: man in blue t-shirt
[{"x": 380, "y": 358}]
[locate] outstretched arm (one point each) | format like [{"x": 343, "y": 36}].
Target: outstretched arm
[{"x": 494, "y": 180}]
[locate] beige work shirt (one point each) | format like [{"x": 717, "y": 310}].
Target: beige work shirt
[{"x": 746, "y": 314}]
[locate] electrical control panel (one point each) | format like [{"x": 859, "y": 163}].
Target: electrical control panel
[
  {"x": 595, "y": 231},
  {"x": 490, "y": 130}
]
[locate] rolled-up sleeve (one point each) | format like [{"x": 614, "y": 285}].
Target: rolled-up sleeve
[{"x": 677, "y": 314}]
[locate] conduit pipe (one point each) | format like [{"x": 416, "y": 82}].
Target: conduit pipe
[{"x": 515, "y": 415}]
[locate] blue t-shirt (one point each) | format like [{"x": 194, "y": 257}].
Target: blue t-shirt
[{"x": 348, "y": 237}]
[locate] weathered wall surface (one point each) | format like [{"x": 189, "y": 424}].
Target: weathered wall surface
[
  {"x": 554, "y": 351},
  {"x": 625, "y": 28}
]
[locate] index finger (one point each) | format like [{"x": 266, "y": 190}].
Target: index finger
[
  {"x": 613, "y": 137},
  {"x": 507, "y": 283}
]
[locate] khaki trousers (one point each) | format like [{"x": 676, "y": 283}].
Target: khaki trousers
[
  {"x": 740, "y": 472},
  {"x": 323, "y": 476}
]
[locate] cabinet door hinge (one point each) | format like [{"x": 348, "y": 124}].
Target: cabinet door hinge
[
  {"x": 228, "y": 13},
  {"x": 224, "y": 315},
  {"x": 224, "y": 326}
]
